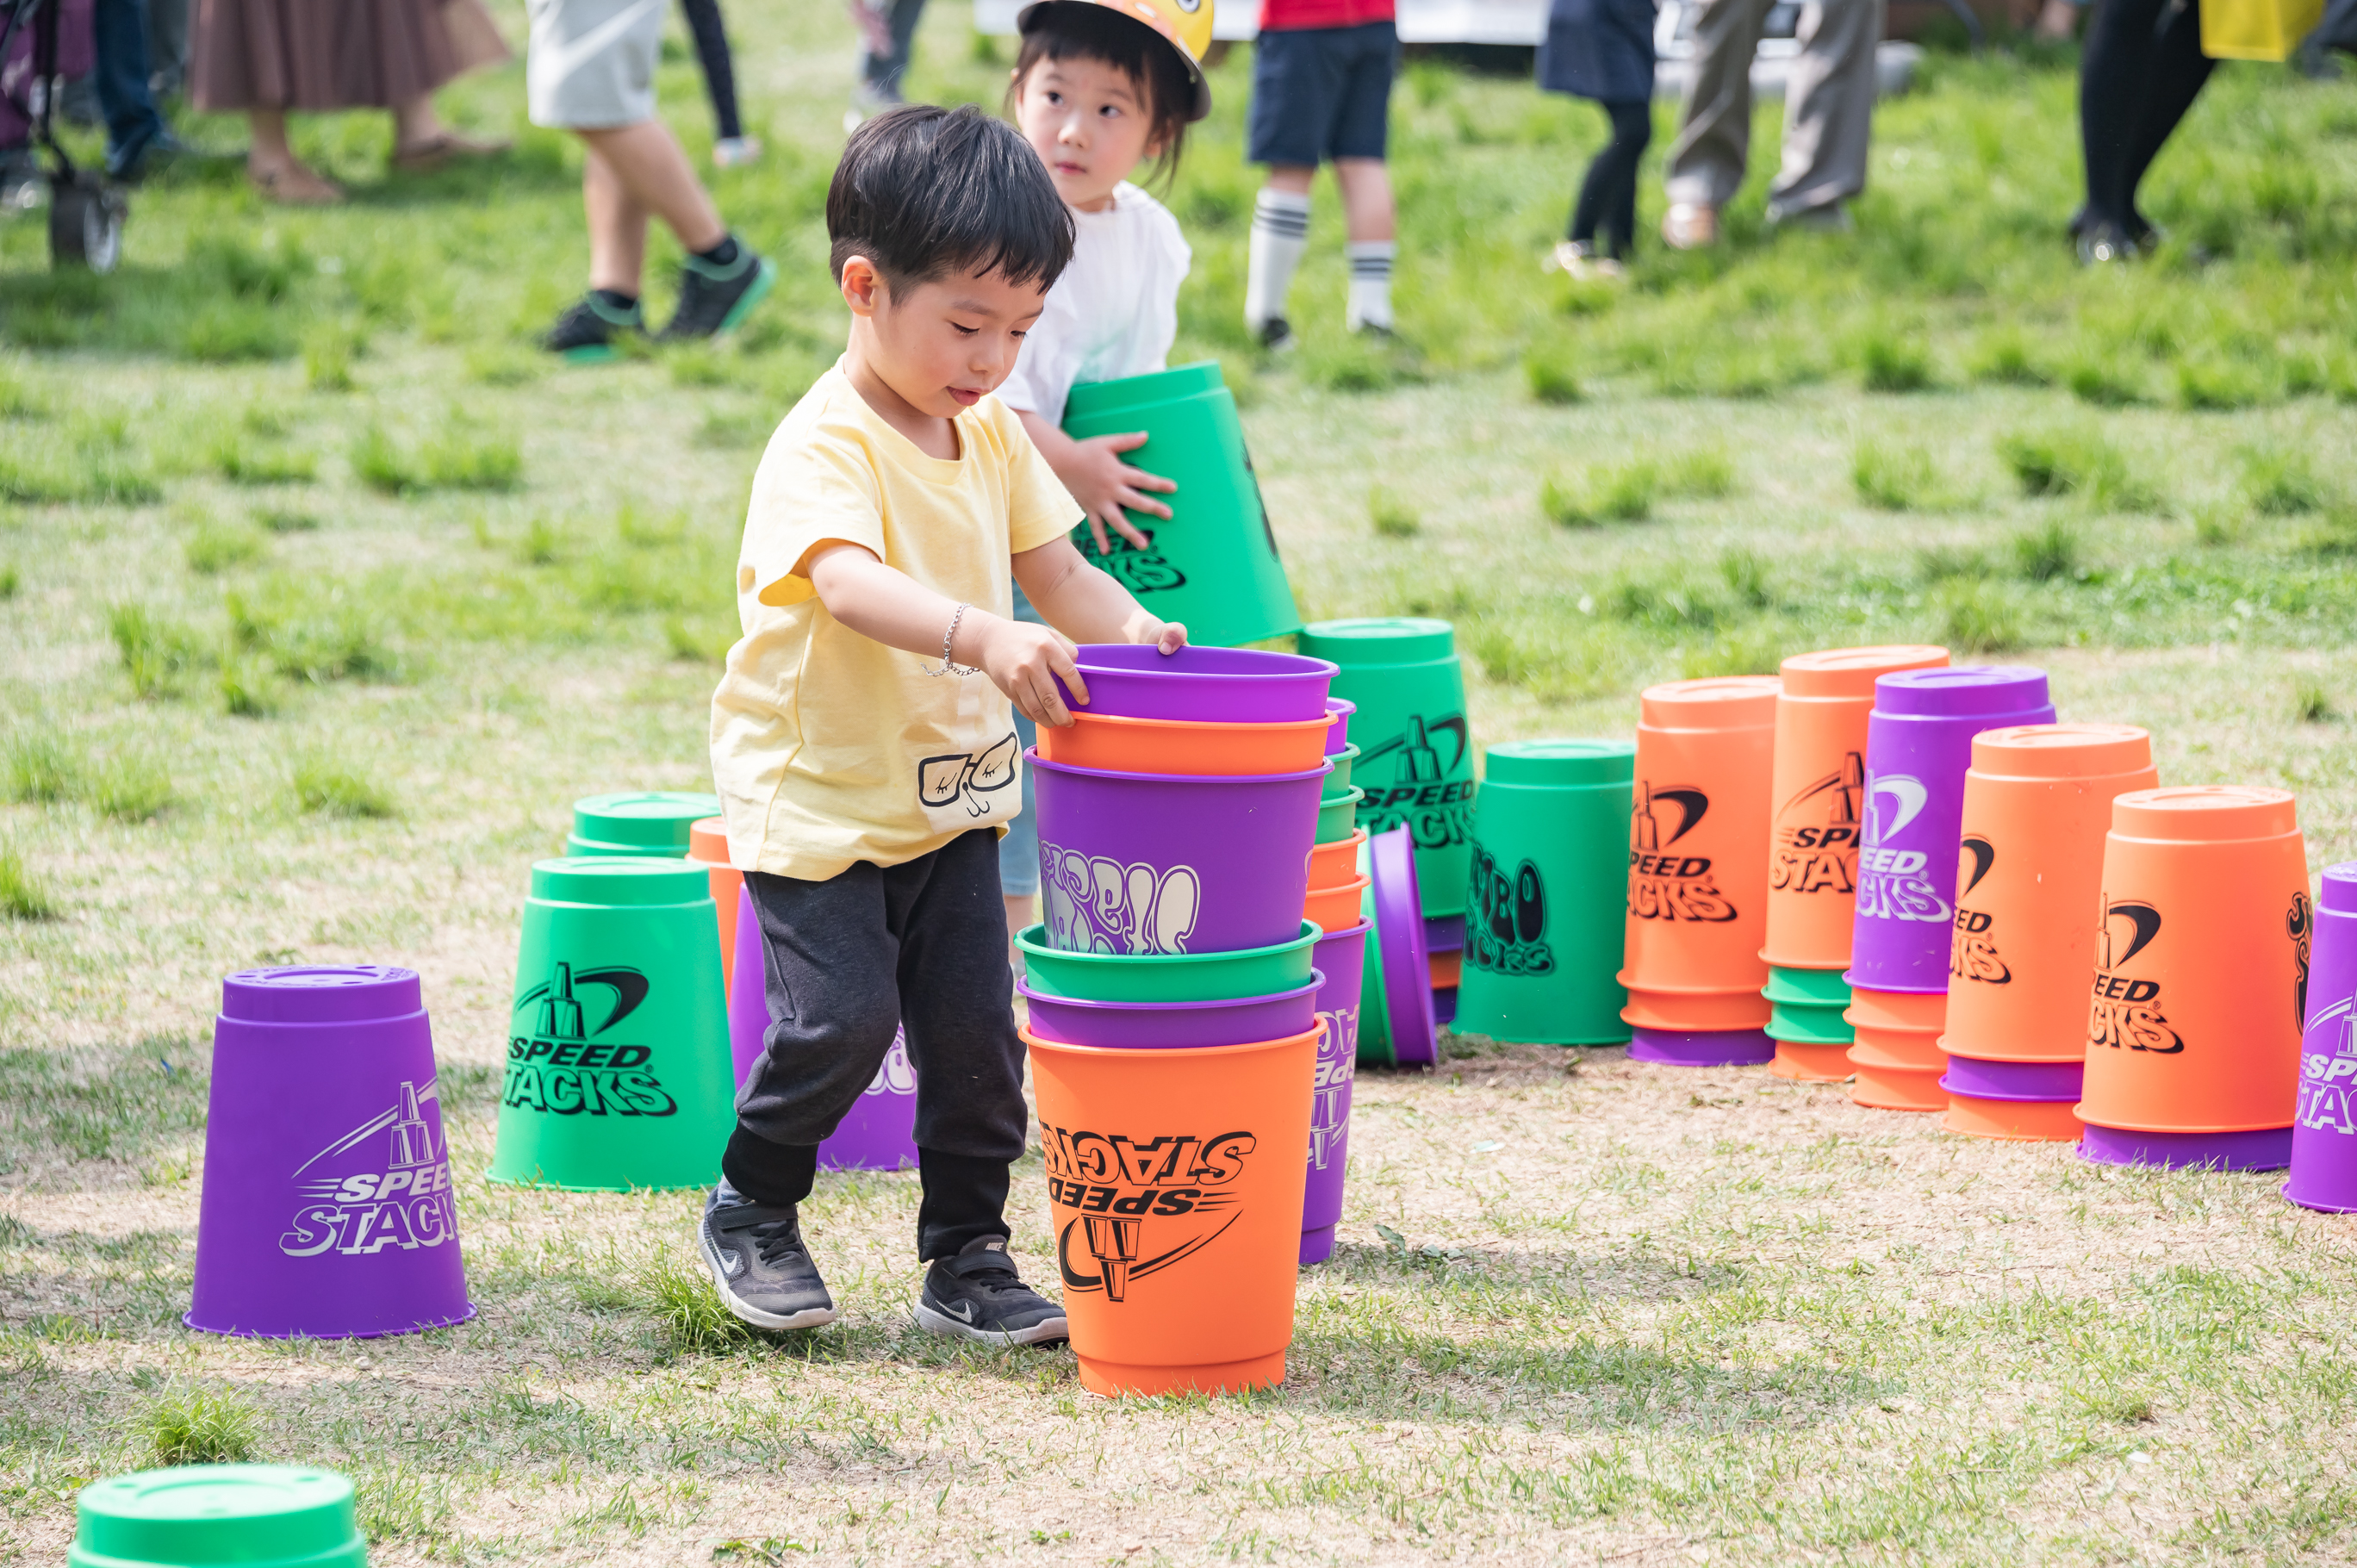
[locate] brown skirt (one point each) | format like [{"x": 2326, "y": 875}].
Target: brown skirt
[{"x": 334, "y": 54}]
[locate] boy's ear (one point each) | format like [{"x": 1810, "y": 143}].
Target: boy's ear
[{"x": 863, "y": 286}]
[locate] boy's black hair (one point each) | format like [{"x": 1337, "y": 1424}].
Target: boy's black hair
[
  {"x": 1150, "y": 61},
  {"x": 923, "y": 192}
]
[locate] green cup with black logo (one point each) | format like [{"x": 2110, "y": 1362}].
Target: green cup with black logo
[
  {"x": 1415, "y": 751},
  {"x": 618, "y": 1073},
  {"x": 1212, "y": 564},
  {"x": 1546, "y": 892},
  {"x": 646, "y": 821}
]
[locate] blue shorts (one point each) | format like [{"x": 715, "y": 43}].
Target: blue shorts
[
  {"x": 1018, "y": 849},
  {"x": 1320, "y": 94}
]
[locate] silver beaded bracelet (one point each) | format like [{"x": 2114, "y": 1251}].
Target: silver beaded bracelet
[{"x": 949, "y": 666}]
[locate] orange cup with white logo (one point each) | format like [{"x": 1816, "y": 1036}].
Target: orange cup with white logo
[
  {"x": 1697, "y": 855},
  {"x": 2199, "y": 980},
  {"x": 1175, "y": 1179}
]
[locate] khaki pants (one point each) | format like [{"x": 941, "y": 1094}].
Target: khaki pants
[{"x": 1828, "y": 106}]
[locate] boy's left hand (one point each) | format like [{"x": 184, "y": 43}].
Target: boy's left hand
[{"x": 1169, "y": 636}]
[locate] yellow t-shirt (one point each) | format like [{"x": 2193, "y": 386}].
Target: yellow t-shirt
[{"x": 829, "y": 748}]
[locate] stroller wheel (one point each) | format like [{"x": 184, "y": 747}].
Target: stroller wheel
[{"x": 86, "y": 223}]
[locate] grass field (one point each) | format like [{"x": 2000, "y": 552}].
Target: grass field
[{"x": 322, "y": 595}]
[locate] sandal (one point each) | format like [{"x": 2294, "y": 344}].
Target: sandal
[
  {"x": 443, "y": 148},
  {"x": 293, "y": 185},
  {"x": 1689, "y": 226}
]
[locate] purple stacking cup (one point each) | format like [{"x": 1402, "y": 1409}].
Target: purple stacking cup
[
  {"x": 1173, "y": 1026},
  {"x": 1338, "y": 733},
  {"x": 327, "y": 1211},
  {"x": 879, "y": 1132},
  {"x": 1157, "y": 863},
  {"x": 1203, "y": 685},
  {"x": 1341, "y": 968},
  {"x": 1701, "y": 1047},
  {"x": 1407, "y": 964},
  {"x": 2324, "y": 1127},
  {"x": 1919, "y": 746},
  {"x": 2044, "y": 1083}
]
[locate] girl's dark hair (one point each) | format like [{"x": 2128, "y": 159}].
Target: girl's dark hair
[
  {"x": 923, "y": 192},
  {"x": 1064, "y": 29}
]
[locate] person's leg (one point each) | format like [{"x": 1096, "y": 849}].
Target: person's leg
[
  {"x": 1295, "y": 81},
  {"x": 167, "y": 46},
  {"x": 2174, "y": 79},
  {"x": 1607, "y": 196},
  {"x": 649, "y": 167},
  {"x": 711, "y": 34},
  {"x": 618, "y": 229},
  {"x": 2114, "y": 70},
  {"x": 119, "y": 31},
  {"x": 1828, "y": 109},
  {"x": 1706, "y": 162},
  {"x": 270, "y": 164},
  {"x": 881, "y": 72},
  {"x": 1360, "y": 139}
]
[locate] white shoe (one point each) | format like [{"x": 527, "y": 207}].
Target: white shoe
[
  {"x": 734, "y": 152},
  {"x": 1689, "y": 225},
  {"x": 1580, "y": 264}
]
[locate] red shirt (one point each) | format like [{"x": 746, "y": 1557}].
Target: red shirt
[{"x": 1293, "y": 15}]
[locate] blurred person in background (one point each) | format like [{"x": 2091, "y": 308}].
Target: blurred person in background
[
  {"x": 731, "y": 145},
  {"x": 1828, "y": 118},
  {"x": 267, "y": 58},
  {"x": 1603, "y": 50},
  {"x": 887, "y": 36},
  {"x": 2140, "y": 70}
]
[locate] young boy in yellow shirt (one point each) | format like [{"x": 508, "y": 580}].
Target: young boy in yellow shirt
[{"x": 861, "y": 738}]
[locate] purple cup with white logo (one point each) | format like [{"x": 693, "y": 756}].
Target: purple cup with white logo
[
  {"x": 1341, "y": 968},
  {"x": 1201, "y": 685},
  {"x": 327, "y": 1211},
  {"x": 1919, "y": 746},
  {"x": 1164, "y": 864},
  {"x": 2324, "y": 1127},
  {"x": 1172, "y": 1025},
  {"x": 879, "y": 1132}
]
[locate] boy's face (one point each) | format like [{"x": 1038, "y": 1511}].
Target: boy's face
[
  {"x": 1090, "y": 124},
  {"x": 941, "y": 345}
]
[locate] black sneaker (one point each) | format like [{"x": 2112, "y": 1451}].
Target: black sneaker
[
  {"x": 978, "y": 1295},
  {"x": 586, "y": 331},
  {"x": 713, "y": 299},
  {"x": 760, "y": 1268},
  {"x": 1277, "y": 335}
]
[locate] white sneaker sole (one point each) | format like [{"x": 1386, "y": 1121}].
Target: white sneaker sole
[
  {"x": 812, "y": 1317},
  {"x": 1046, "y": 1331}
]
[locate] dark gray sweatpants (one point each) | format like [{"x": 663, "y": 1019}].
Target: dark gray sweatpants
[{"x": 921, "y": 945}]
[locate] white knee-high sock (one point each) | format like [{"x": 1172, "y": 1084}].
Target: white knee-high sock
[
  {"x": 1280, "y": 234},
  {"x": 1371, "y": 283}
]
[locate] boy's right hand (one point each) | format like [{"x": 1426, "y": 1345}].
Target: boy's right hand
[
  {"x": 1092, "y": 470},
  {"x": 1024, "y": 660}
]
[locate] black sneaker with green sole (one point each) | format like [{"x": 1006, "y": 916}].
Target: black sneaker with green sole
[
  {"x": 716, "y": 299},
  {"x": 586, "y": 331}
]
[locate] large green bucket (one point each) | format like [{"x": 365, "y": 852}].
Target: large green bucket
[
  {"x": 618, "y": 1074},
  {"x": 1213, "y": 563},
  {"x": 1415, "y": 751},
  {"x": 652, "y": 822},
  {"x": 1547, "y": 903}
]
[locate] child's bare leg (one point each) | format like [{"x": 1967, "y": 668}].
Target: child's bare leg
[{"x": 1369, "y": 221}]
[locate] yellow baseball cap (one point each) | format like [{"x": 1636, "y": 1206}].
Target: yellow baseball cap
[{"x": 1183, "y": 25}]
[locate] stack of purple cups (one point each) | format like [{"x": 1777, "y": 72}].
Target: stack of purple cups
[
  {"x": 2324, "y": 1126},
  {"x": 1173, "y": 887}
]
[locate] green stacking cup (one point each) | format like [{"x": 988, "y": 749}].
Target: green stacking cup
[
  {"x": 256, "y": 1516},
  {"x": 1166, "y": 977},
  {"x": 652, "y": 823},
  {"x": 1547, "y": 903},
  {"x": 1416, "y": 759},
  {"x": 1213, "y": 563},
  {"x": 618, "y": 1070},
  {"x": 1338, "y": 783},
  {"x": 1338, "y": 816},
  {"x": 1805, "y": 1006}
]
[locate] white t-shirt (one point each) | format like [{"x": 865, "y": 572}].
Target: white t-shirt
[{"x": 1114, "y": 312}]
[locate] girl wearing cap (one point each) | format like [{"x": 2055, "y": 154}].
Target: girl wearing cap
[{"x": 1097, "y": 90}]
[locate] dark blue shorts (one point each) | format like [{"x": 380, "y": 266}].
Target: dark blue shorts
[{"x": 1320, "y": 94}]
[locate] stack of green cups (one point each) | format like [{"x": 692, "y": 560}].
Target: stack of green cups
[
  {"x": 1546, "y": 904},
  {"x": 618, "y": 1073},
  {"x": 1805, "y": 1005},
  {"x": 1213, "y": 563},
  {"x": 652, "y": 822},
  {"x": 1413, "y": 751},
  {"x": 258, "y": 1516}
]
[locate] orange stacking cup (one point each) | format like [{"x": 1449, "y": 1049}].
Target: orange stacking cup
[
  {"x": 2201, "y": 980},
  {"x": 1698, "y": 862},
  {"x": 1331, "y": 864},
  {"x": 2036, "y": 804},
  {"x": 707, "y": 841},
  {"x": 1111, "y": 744},
  {"x": 1897, "y": 1054},
  {"x": 1335, "y": 909},
  {"x": 1817, "y": 791},
  {"x": 1176, "y": 1178}
]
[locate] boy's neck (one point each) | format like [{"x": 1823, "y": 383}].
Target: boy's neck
[{"x": 930, "y": 433}]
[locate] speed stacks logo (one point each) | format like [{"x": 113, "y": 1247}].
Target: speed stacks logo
[
  {"x": 1816, "y": 833},
  {"x": 1408, "y": 782},
  {"x": 2124, "y": 1013},
  {"x": 385, "y": 1183},
  {"x": 1665, "y": 884},
  {"x": 1972, "y": 954},
  {"x": 561, "y": 1067},
  {"x": 1138, "y": 1205}
]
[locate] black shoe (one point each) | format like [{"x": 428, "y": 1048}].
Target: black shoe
[
  {"x": 2104, "y": 241},
  {"x": 586, "y": 331},
  {"x": 978, "y": 1295},
  {"x": 1277, "y": 335},
  {"x": 713, "y": 299},
  {"x": 149, "y": 155},
  {"x": 760, "y": 1268}
]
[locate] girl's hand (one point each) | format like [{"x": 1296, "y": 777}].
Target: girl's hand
[
  {"x": 1022, "y": 660},
  {"x": 1103, "y": 485}
]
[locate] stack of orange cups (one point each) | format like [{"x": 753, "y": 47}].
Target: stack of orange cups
[
  {"x": 1818, "y": 790},
  {"x": 2200, "y": 981},
  {"x": 1335, "y": 883},
  {"x": 2037, "y": 802},
  {"x": 1698, "y": 873}
]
